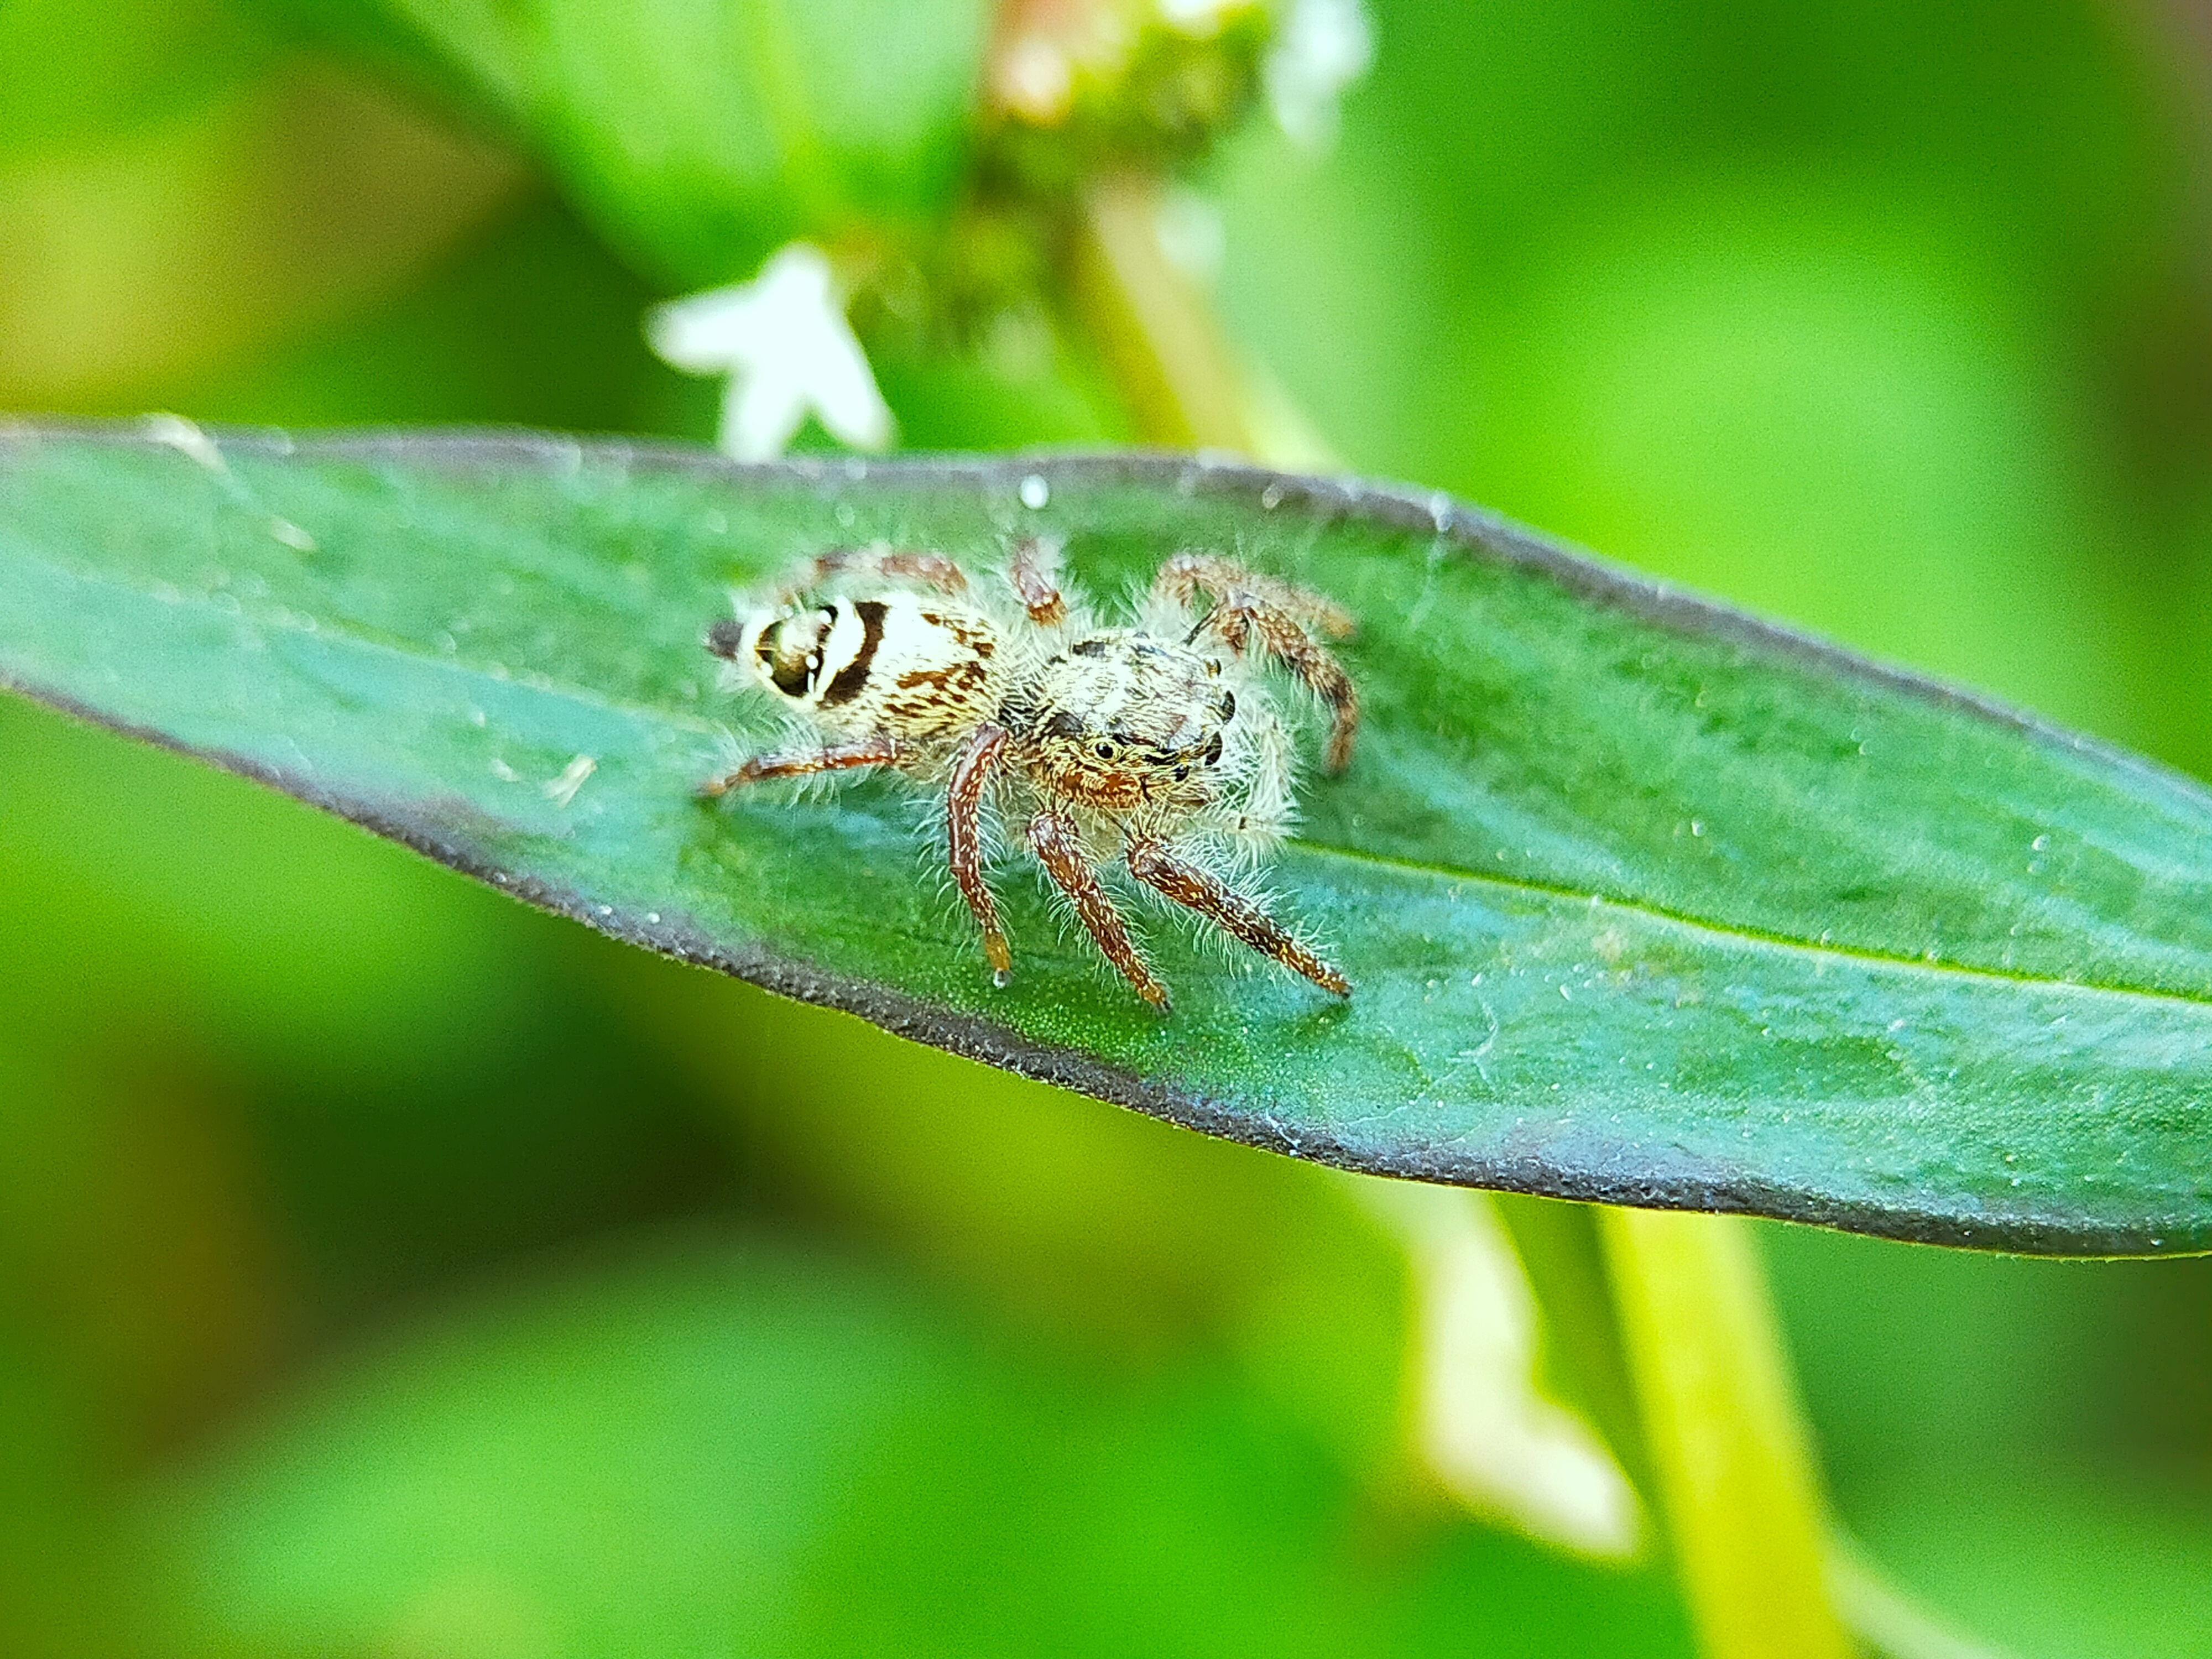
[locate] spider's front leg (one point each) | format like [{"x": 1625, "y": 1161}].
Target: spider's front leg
[
  {"x": 877, "y": 751},
  {"x": 1155, "y": 864},
  {"x": 1252, "y": 610},
  {"x": 963, "y": 805},
  {"x": 1058, "y": 844},
  {"x": 1188, "y": 574}
]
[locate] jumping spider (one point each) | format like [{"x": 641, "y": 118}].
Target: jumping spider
[{"x": 1155, "y": 746}]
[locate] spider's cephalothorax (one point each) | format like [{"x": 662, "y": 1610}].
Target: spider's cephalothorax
[{"x": 1154, "y": 746}]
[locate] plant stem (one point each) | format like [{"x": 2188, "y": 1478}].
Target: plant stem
[
  {"x": 1156, "y": 334},
  {"x": 1725, "y": 1439}
]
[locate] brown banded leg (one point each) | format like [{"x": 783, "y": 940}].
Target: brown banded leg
[
  {"x": 930, "y": 569},
  {"x": 964, "y": 802},
  {"x": 1251, "y": 610},
  {"x": 1059, "y": 846},
  {"x": 1241, "y": 622},
  {"x": 1031, "y": 573},
  {"x": 1188, "y": 574},
  {"x": 1151, "y": 863},
  {"x": 877, "y": 750}
]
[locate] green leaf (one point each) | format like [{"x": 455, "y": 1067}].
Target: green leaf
[
  {"x": 1645, "y": 902},
  {"x": 701, "y": 134},
  {"x": 718, "y": 1450}
]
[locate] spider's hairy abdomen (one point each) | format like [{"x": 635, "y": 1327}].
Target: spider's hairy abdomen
[
  {"x": 936, "y": 678},
  {"x": 917, "y": 668}
]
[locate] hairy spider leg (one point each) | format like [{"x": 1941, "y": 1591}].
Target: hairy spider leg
[
  {"x": 1189, "y": 574},
  {"x": 1237, "y": 619},
  {"x": 1031, "y": 572},
  {"x": 1249, "y": 605},
  {"x": 964, "y": 802},
  {"x": 931, "y": 570},
  {"x": 1053, "y": 837},
  {"x": 877, "y": 751},
  {"x": 1151, "y": 862}
]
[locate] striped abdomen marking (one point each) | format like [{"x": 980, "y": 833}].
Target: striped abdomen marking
[{"x": 846, "y": 683}]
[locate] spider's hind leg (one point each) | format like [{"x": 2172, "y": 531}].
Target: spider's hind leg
[
  {"x": 877, "y": 751},
  {"x": 879, "y": 560},
  {"x": 1154, "y": 863}
]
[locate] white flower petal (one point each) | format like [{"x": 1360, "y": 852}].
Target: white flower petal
[
  {"x": 783, "y": 340},
  {"x": 760, "y": 417},
  {"x": 1324, "y": 47},
  {"x": 845, "y": 395}
]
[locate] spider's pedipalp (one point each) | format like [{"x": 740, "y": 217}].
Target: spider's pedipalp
[
  {"x": 1154, "y": 863},
  {"x": 1057, "y": 840},
  {"x": 964, "y": 801}
]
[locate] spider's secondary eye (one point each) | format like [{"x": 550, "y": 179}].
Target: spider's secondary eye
[
  {"x": 1104, "y": 752},
  {"x": 1229, "y": 705},
  {"x": 1214, "y": 750}
]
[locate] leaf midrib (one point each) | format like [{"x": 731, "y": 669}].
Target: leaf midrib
[{"x": 356, "y": 637}]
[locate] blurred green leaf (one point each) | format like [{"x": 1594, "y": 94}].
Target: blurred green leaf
[
  {"x": 700, "y": 134},
  {"x": 74, "y": 75},
  {"x": 1645, "y": 902},
  {"x": 712, "y": 1450}
]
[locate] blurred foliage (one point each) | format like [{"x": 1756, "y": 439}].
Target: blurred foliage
[
  {"x": 777, "y": 1456},
  {"x": 1894, "y": 319}
]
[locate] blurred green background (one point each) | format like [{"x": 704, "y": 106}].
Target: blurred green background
[{"x": 387, "y": 1269}]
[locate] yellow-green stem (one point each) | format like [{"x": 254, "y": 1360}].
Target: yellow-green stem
[{"x": 1721, "y": 1428}]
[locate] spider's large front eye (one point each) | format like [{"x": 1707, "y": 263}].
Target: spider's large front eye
[
  {"x": 1228, "y": 705},
  {"x": 1212, "y": 756}
]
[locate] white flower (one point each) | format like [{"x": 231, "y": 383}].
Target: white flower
[
  {"x": 1324, "y": 47},
  {"x": 783, "y": 340},
  {"x": 1200, "y": 19}
]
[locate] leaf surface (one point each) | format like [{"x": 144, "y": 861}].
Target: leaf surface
[{"x": 1646, "y": 902}]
